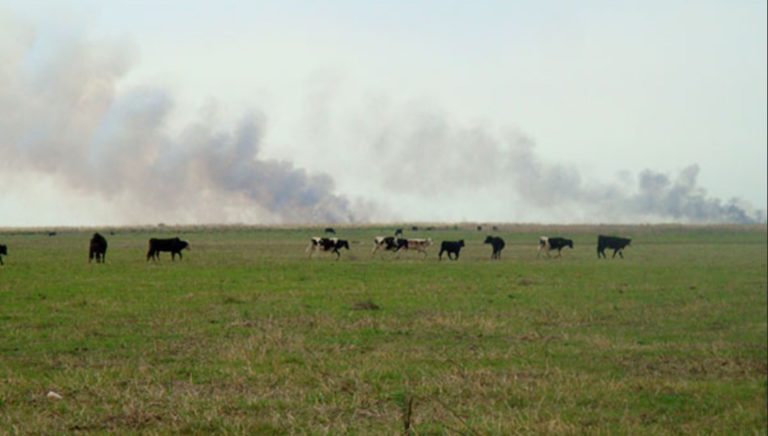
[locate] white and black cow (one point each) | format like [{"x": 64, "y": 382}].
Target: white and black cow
[
  {"x": 3, "y": 251},
  {"x": 332, "y": 245},
  {"x": 613, "y": 242},
  {"x": 174, "y": 245},
  {"x": 386, "y": 243},
  {"x": 548, "y": 244},
  {"x": 419, "y": 245}
]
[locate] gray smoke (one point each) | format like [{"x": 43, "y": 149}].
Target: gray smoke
[
  {"x": 63, "y": 114},
  {"x": 446, "y": 158}
]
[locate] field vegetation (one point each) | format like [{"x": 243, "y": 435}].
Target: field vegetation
[{"x": 247, "y": 335}]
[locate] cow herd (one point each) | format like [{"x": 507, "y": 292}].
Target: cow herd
[
  {"x": 452, "y": 249},
  {"x": 396, "y": 244}
]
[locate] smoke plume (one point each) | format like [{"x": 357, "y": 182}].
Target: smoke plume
[
  {"x": 63, "y": 114},
  {"x": 445, "y": 157}
]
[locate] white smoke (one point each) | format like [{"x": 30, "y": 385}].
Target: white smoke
[{"x": 63, "y": 115}]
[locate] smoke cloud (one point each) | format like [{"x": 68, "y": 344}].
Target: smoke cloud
[
  {"x": 63, "y": 114},
  {"x": 445, "y": 158}
]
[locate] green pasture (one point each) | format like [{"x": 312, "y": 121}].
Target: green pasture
[{"x": 246, "y": 335}]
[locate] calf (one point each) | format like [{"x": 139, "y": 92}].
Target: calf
[
  {"x": 615, "y": 243},
  {"x": 451, "y": 247},
  {"x": 330, "y": 230},
  {"x": 497, "y": 243},
  {"x": 548, "y": 244},
  {"x": 419, "y": 245},
  {"x": 332, "y": 245},
  {"x": 97, "y": 249},
  {"x": 386, "y": 243},
  {"x": 3, "y": 251},
  {"x": 174, "y": 245}
]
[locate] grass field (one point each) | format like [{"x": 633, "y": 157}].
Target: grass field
[{"x": 246, "y": 335}]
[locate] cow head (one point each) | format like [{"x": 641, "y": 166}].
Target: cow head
[
  {"x": 461, "y": 243},
  {"x": 342, "y": 244},
  {"x": 569, "y": 242},
  {"x": 488, "y": 240},
  {"x": 184, "y": 244}
]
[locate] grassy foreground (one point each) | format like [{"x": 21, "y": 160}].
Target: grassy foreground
[{"x": 246, "y": 335}]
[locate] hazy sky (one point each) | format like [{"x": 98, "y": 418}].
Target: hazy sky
[{"x": 138, "y": 111}]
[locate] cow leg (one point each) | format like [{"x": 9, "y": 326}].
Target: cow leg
[
  {"x": 1, "y": 260},
  {"x": 621, "y": 255},
  {"x": 457, "y": 256},
  {"x": 559, "y": 252},
  {"x": 614, "y": 253},
  {"x": 180, "y": 257},
  {"x": 338, "y": 254}
]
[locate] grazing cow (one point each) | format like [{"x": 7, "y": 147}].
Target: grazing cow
[
  {"x": 174, "y": 245},
  {"x": 548, "y": 244},
  {"x": 613, "y": 242},
  {"x": 330, "y": 230},
  {"x": 51, "y": 233},
  {"x": 497, "y": 243},
  {"x": 3, "y": 251},
  {"x": 451, "y": 247},
  {"x": 399, "y": 232},
  {"x": 479, "y": 228},
  {"x": 386, "y": 243},
  {"x": 415, "y": 228},
  {"x": 495, "y": 229},
  {"x": 419, "y": 245},
  {"x": 332, "y": 245},
  {"x": 97, "y": 249}
]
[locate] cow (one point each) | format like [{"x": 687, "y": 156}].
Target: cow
[
  {"x": 497, "y": 243},
  {"x": 386, "y": 243},
  {"x": 419, "y": 245},
  {"x": 3, "y": 251},
  {"x": 479, "y": 228},
  {"x": 174, "y": 245},
  {"x": 399, "y": 232},
  {"x": 330, "y": 230},
  {"x": 613, "y": 242},
  {"x": 97, "y": 249},
  {"x": 450, "y": 247},
  {"x": 548, "y": 244},
  {"x": 332, "y": 245}
]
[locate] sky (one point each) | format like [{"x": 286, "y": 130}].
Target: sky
[{"x": 138, "y": 112}]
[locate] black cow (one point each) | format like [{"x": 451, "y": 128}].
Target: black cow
[
  {"x": 97, "y": 249},
  {"x": 497, "y": 243},
  {"x": 332, "y": 245},
  {"x": 451, "y": 247},
  {"x": 174, "y": 245},
  {"x": 399, "y": 232},
  {"x": 548, "y": 244},
  {"x": 3, "y": 251},
  {"x": 615, "y": 243},
  {"x": 330, "y": 230}
]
